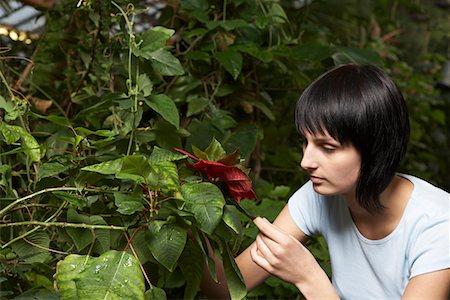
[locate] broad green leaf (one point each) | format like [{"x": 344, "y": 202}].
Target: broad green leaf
[
  {"x": 107, "y": 168},
  {"x": 101, "y": 132},
  {"x": 151, "y": 40},
  {"x": 165, "y": 106},
  {"x": 84, "y": 237},
  {"x": 50, "y": 169},
  {"x": 155, "y": 293},
  {"x": 166, "y": 63},
  {"x": 29, "y": 145},
  {"x": 192, "y": 264},
  {"x": 113, "y": 275},
  {"x": 166, "y": 242},
  {"x": 31, "y": 249},
  {"x": 235, "y": 281},
  {"x": 205, "y": 201},
  {"x": 134, "y": 167},
  {"x": 159, "y": 155},
  {"x": 231, "y": 61},
  {"x": 215, "y": 151},
  {"x": 128, "y": 204},
  {"x": 37, "y": 294},
  {"x": 277, "y": 13}
]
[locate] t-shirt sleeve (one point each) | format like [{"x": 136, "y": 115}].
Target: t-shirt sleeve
[
  {"x": 431, "y": 250},
  {"x": 305, "y": 209}
]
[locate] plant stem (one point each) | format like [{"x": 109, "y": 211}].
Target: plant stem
[
  {"x": 64, "y": 188},
  {"x": 64, "y": 224}
]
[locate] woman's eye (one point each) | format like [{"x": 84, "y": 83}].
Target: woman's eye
[{"x": 328, "y": 149}]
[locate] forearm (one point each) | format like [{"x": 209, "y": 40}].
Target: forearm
[{"x": 317, "y": 286}]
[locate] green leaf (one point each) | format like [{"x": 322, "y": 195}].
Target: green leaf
[
  {"x": 166, "y": 242},
  {"x": 165, "y": 106},
  {"x": 196, "y": 104},
  {"x": 151, "y": 40},
  {"x": 76, "y": 200},
  {"x": 159, "y": 155},
  {"x": 215, "y": 151},
  {"x": 144, "y": 85},
  {"x": 51, "y": 169},
  {"x": 231, "y": 61},
  {"x": 107, "y": 168},
  {"x": 134, "y": 167},
  {"x": 155, "y": 293},
  {"x": 230, "y": 25},
  {"x": 232, "y": 219},
  {"x": 59, "y": 120},
  {"x": 128, "y": 204},
  {"x": 84, "y": 237},
  {"x": 27, "y": 250},
  {"x": 166, "y": 63},
  {"x": 243, "y": 139},
  {"x": 164, "y": 177},
  {"x": 235, "y": 281},
  {"x": 205, "y": 201},
  {"x": 192, "y": 264},
  {"x": 29, "y": 145},
  {"x": 345, "y": 55},
  {"x": 113, "y": 275}
]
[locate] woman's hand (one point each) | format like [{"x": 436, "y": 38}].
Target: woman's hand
[{"x": 285, "y": 257}]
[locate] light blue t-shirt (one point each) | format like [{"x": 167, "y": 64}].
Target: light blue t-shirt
[{"x": 378, "y": 269}]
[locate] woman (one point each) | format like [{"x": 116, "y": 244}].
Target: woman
[{"x": 387, "y": 233}]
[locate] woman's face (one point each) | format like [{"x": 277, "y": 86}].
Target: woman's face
[{"x": 333, "y": 168}]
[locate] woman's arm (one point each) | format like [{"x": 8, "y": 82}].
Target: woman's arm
[
  {"x": 252, "y": 273},
  {"x": 433, "y": 285}
]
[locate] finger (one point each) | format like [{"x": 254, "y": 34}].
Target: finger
[
  {"x": 264, "y": 249},
  {"x": 269, "y": 230},
  {"x": 259, "y": 259}
]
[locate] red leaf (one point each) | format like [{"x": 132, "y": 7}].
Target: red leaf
[{"x": 238, "y": 183}]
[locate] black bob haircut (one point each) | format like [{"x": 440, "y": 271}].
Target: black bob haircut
[{"x": 359, "y": 105}]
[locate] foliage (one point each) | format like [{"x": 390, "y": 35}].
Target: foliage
[{"x": 87, "y": 167}]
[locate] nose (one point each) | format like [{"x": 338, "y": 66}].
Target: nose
[{"x": 308, "y": 161}]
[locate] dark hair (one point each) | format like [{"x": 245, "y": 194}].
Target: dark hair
[{"x": 359, "y": 105}]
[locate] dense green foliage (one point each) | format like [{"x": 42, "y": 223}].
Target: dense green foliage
[{"x": 87, "y": 168}]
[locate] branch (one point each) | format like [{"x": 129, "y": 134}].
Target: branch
[{"x": 64, "y": 224}]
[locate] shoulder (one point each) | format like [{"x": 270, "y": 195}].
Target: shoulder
[{"x": 427, "y": 199}]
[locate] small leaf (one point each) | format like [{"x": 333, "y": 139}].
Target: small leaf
[
  {"x": 231, "y": 61},
  {"x": 159, "y": 155},
  {"x": 144, "y": 85},
  {"x": 165, "y": 106},
  {"x": 51, "y": 169},
  {"x": 155, "y": 293},
  {"x": 215, "y": 151},
  {"x": 196, "y": 104},
  {"x": 29, "y": 145},
  {"x": 113, "y": 275},
  {"x": 128, "y": 204}
]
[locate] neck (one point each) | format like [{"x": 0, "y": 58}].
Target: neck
[{"x": 394, "y": 199}]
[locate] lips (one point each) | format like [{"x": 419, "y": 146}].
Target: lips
[{"x": 316, "y": 179}]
